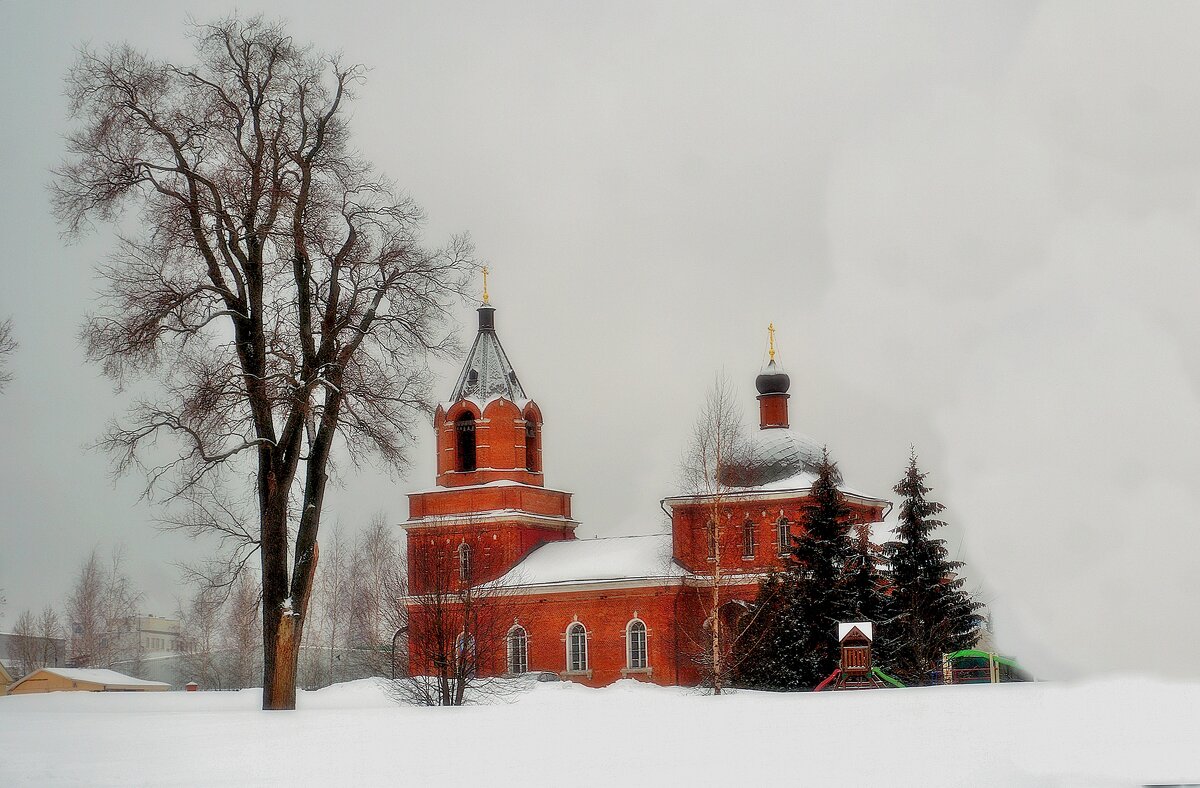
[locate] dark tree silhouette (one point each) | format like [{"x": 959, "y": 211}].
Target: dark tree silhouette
[
  {"x": 799, "y": 609},
  {"x": 273, "y": 285},
  {"x": 930, "y": 613}
]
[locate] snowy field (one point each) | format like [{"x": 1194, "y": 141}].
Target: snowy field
[{"x": 1111, "y": 732}]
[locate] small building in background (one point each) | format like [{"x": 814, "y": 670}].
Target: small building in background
[
  {"x": 5, "y": 681},
  {"x": 21, "y": 654},
  {"x": 82, "y": 680},
  {"x": 156, "y": 635}
]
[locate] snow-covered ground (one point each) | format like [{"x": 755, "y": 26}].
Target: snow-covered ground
[{"x": 1117, "y": 731}]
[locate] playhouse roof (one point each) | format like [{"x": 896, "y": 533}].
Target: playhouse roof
[{"x": 864, "y": 627}]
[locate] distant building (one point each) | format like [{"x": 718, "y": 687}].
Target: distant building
[
  {"x": 19, "y": 654},
  {"x": 156, "y": 635},
  {"x": 5, "y": 680},
  {"x": 82, "y": 680}
]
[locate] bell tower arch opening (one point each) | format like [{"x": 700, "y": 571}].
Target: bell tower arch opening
[{"x": 465, "y": 454}]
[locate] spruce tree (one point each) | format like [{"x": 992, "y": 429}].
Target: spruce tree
[
  {"x": 792, "y": 638},
  {"x": 930, "y": 614},
  {"x": 865, "y": 586}
]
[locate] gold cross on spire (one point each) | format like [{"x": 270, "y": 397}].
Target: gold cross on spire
[
  {"x": 771, "y": 333},
  {"x": 485, "y": 293}
]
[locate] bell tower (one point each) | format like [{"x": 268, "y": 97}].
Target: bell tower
[
  {"x": 489, "y": 430},
  {"x": 490, "y": 505}
]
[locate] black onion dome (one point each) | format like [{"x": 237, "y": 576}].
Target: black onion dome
[{"x": 772, "y": 380}]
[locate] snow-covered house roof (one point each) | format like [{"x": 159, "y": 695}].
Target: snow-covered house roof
[
  {"x": 487, "y": 374},
  {"x": 865, "y": 627},
  {"x": 574, "y": 561},
  {"x": 100, "y": 677},
  {"x": 103, "y": 676}
]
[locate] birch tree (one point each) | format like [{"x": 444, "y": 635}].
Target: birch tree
[
  {"x": 717, "y": 448},
  {"x": 100, "y": 610}
]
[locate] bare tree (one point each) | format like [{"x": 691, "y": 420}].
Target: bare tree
[
  {"x": 242, "y": 633},
  {"x": 717, "y": 449},
  {"x": 25, "y": 648},
  {"x": 199, "y": 625},
  {"x": 352, "y": 620},
  {"x": 85, "y": 612},
  {"x": 102, "y": 608},
  {"x": 331, "y": 607},
  {"x": 220, "y": 631},
  {"x": 50, "y": 635},
  {"x": 8, "y": 346},
  {"x": 376, "y": 558},
  {"x": 457, "y": 629},
  {"x": 278, "y": 288}
]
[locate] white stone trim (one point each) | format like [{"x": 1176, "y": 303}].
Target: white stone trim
[
  {"x": 629, "y": 643},
  {"x": 490, "y": 516}
]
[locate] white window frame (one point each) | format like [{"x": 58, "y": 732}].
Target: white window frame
[
  {"x": 582, "y": 666},
  {"x": 749, "y": 545},
  {"x": 509, "y": 641},
  {"x": 783, "y": 535},
  {"x": 629, "y": 652}
]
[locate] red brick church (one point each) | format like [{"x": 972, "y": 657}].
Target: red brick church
[{"x": 596, "y": 610}]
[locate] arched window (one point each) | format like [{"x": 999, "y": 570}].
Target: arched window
[
  {"x": 464, "y": 562},
  {"x": 785, "y": 536},
  {"x": 748, "y": 539},
  {"x": 518, "y": 650},
  {"x": 577, "y": 652},
  {"x": 464, "y": 425},
  {"x": 531, "y": 445},
  {"x": 635, "y": 650}
]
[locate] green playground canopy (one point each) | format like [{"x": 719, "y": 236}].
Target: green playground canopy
[{"x": 974, "y": 652}]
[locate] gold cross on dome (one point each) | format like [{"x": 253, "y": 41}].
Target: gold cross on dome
[
  {"x": 485, "y": 292},
  {"x": 771, "y": 333}
]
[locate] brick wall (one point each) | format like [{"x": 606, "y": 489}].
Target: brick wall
[{"x": 690, "y": 540}]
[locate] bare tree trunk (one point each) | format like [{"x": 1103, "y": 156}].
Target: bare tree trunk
[{"x": 279, "y": 684}]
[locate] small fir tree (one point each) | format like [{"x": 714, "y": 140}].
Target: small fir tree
[
  {"x": 930, "y": 613},
  {"x": 796, "y": 647},
  {"x": 866, "y": 584}
]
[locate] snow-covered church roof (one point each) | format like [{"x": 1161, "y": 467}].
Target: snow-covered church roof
[
  {"x": 617, "y": 558},
  {"x": 487, "y": 374},
  {"x": 777, "y": 460},
  {"x": 781, "y": 453}
]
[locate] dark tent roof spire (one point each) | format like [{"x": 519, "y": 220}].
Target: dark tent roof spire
[{"x": 487, "y": 373}]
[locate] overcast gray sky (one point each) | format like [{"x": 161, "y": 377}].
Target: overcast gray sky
[{"x": 975, "y": 226}]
